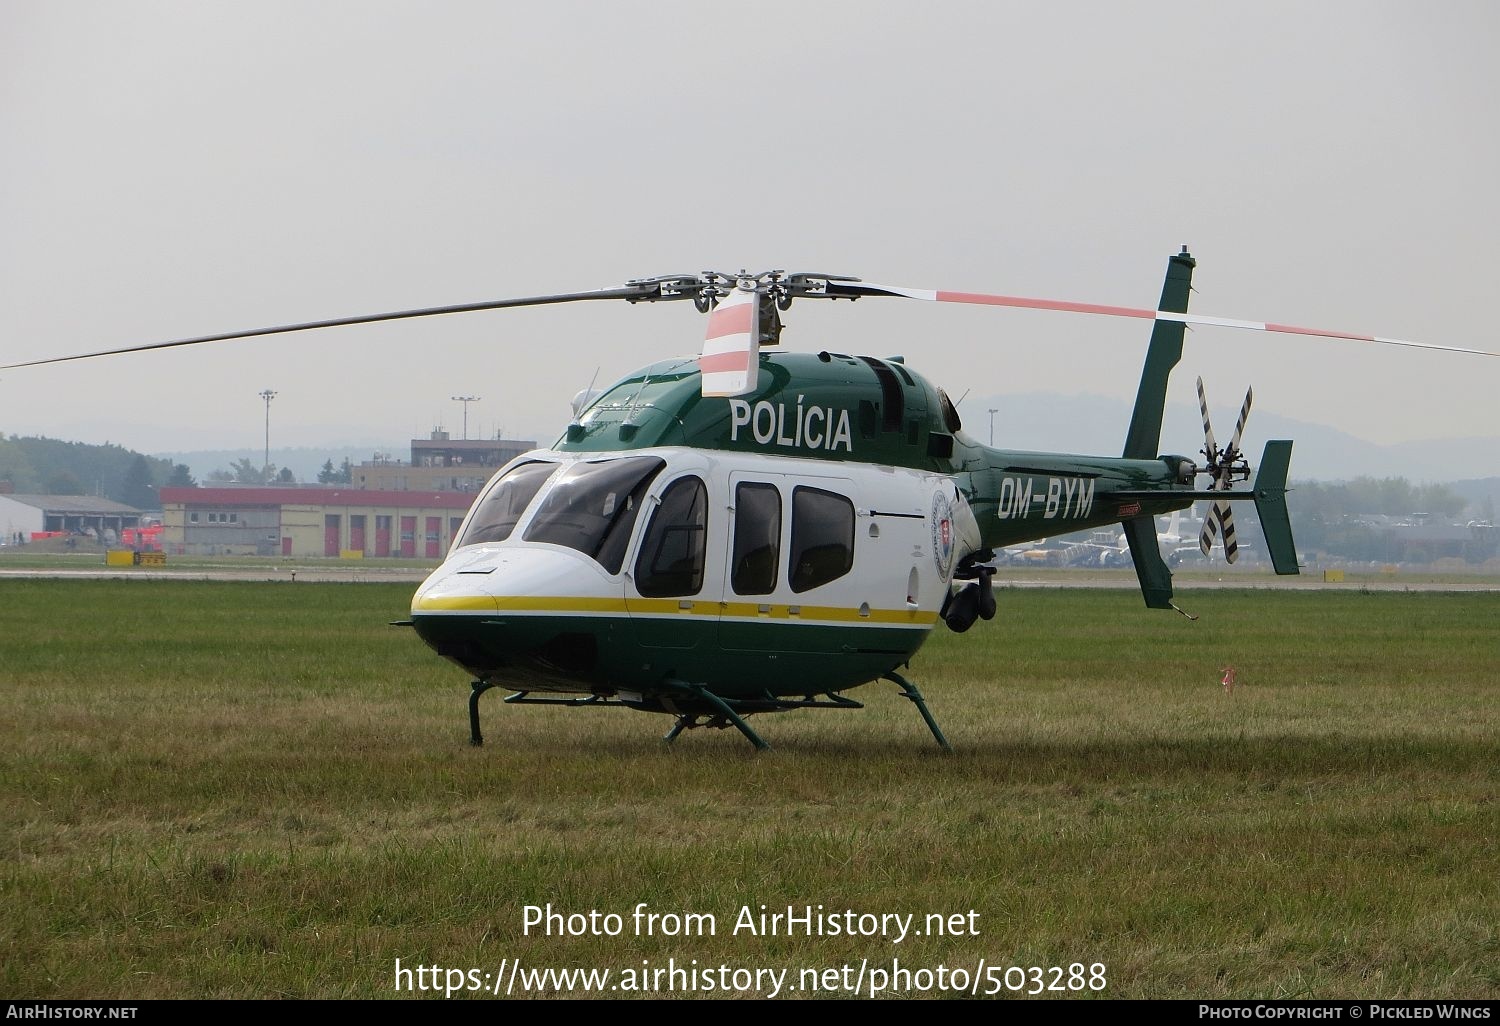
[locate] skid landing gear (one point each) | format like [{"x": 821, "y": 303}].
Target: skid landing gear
[
  {"x": 480, "y": 687},
  {"x": 909, "y": 690},
  {"x": 519, "y": 698},
  {"x": 720, "y": 712},
  {"x": 723, "y": 716}
]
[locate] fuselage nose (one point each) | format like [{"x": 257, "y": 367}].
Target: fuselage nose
[
  {"x": 507, "y": 606},
  {"x": 478, "y": 578}
]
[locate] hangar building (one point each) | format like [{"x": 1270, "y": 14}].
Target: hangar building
[
  {"x": 70, "y": 514},
  {"x": 441, "y": 464},
  {"x": 310, "y": 521}
]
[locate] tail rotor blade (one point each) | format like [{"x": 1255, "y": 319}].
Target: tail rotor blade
[
  {"x": 1226, "y": 520},
  {"x": 1239, "y": 428},
  {"x": 1210, "y": 449},
  {"x": 1219, "y": 520},
  {"x": 1210, "y": 529}
]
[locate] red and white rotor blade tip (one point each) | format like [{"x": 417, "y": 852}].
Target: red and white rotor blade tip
[
  {"x": 730, "y": 362},
  {"x": 1143, "y": 313}
]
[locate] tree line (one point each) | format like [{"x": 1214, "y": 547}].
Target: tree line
[
  {"x": 1329, "y": 517},
  {"x": 1388, "y": 496},
  {"x": 50, "y": 466},
  {"x": 244, "y": 471}
]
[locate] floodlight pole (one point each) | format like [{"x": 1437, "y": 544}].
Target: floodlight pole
[
  {"x": 992, "y": 427},
  {"x": 466, "y": 400},
  {"x": 267, "y": 395}
]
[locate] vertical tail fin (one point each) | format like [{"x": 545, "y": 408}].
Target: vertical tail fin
[
  {"x": 1143, "y": 440},
  {"x": 1270, "y": 505},
  {"x": 1144, "y": 437}
]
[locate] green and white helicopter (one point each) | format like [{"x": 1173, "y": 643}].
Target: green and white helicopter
[{"x": 746, "y": 532}]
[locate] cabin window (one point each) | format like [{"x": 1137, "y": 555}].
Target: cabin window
[
  {"x": 673, "y": 550},
  {"x": 592, "y": 507},
  {"x": 757, "y": 539},
  {"x": 497, "y": 512},
  {"x": 822, "y": 537}
]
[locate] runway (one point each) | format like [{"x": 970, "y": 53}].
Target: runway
[{"x": 306, "y": 574}]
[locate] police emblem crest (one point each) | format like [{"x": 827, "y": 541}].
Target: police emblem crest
[{"x": 942, "y": 535}]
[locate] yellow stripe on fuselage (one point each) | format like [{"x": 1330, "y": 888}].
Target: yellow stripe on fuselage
[
  {"x": 516, "y": 604},
  {"x": 562, "y": 604}
]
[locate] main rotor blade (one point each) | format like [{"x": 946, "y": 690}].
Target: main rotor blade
[
  {"x": 631, "y": 292},
  {"x": 851, "y": 290},
  {"x": 704, "y": 288}
]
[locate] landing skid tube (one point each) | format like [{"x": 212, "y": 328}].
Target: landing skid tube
[
  {"x": 723, "y": 714},
  {"x": 909, "y": 690}
]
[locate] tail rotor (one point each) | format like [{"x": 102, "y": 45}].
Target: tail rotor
[{"x": 1225, "y": 466}]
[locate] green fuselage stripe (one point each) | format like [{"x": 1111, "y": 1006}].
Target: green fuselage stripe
[{"x": 741, "y": 658}]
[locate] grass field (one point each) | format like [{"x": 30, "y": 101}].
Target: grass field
[{"x": 258, "y": 790}]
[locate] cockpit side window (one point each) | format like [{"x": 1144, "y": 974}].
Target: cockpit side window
[
  {"x": 673, "y": 549},
  {"x": 592, "y": 507},
  {"x": 757, "y": 538},
  {"x": 822, "y": 537},
  {"x": 502, "y": 506}
]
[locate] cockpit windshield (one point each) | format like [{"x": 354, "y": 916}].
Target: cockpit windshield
[
  {"x": 591, "y": 507},
  {"x": 501, "y": 508}
]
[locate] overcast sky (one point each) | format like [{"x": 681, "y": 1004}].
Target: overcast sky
[{"x": 175, "y": 169}]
